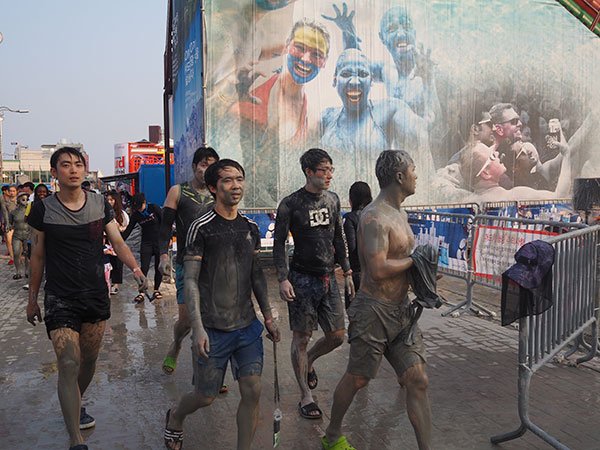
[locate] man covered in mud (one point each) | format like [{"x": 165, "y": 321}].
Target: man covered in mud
[
  {"x": 380, "y": 318},
  {"x": 221, "y": 271},
  {"x": 67, "y": 234},
  {"x": 21, "y": 232},
  {"x": 312, "y": 215},
  {"x": 185, "y": 203}
]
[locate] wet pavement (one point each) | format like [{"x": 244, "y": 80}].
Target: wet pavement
[{"x": 472, "y": 366}]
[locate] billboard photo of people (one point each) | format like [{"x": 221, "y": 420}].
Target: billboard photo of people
[{"x": 492, "y": 100}]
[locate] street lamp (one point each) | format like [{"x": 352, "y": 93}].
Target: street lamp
[{"x": 4, "y": 109}]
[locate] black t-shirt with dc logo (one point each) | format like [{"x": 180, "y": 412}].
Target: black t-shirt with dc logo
[
  {"x": 73, "y": 245},
  {"x": 316, "y": 226}
]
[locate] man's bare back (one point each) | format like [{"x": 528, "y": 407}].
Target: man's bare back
[{"x": 384, "y": 234}]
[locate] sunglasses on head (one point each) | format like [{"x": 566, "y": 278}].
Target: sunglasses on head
[{"x": 493, "y": 157}]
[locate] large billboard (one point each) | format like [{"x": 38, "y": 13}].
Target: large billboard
[
  {"x": 493, "y": 100},
  {"x": 186, "y": 67}
]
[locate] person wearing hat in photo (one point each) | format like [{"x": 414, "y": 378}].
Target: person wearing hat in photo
[
  {"x": 21, "y": 232},
  {"x": 527, "y": 285}
]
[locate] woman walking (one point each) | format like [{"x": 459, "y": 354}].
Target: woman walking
[
  {"x": 149, "y": 217},
  {"x": 116, "y": 275}
]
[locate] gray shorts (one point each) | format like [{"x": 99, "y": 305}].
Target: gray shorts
[
  {"x": 317, "y": 301},
  {"x": 377, "y": 329}
]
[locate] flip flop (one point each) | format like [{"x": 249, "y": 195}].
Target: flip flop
[
  {"x": 157, "y": 295},
  {"x": 138, "y": 299},
  {"x": 169, "y": 365},
  {"x": 223, "y": 389},
  {"x": 341, "y": 444},
  {"x": 312, "y": 379},
  {"x": 306, "y": 410},
  {"x": 173, "y": 438}
]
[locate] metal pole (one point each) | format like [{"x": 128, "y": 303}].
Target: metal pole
[{"x": 168, "y": 91}]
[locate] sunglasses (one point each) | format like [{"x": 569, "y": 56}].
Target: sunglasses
[
  {"x": 514, "y": 121},
  {"x": 493, "y": 157}
]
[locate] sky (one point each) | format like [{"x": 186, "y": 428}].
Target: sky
[{"x": 89, "y": 72}]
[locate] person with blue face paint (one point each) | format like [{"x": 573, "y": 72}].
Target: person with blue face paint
[
  {"x": 357, "y": 132},
  {"x": 412, "y": 78},
  {"x": 275, "y": 122}
]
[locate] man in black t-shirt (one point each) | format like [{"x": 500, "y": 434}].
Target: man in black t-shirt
[
  {"x": 67, "y": 231},
  {"x": 312, "y": 215},
  {"x": 221, "y": 271}
]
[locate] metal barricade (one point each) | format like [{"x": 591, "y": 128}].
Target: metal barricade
[
  {"x": 502, "y": 209},
  {"x": 265, "y": 219},
  {"x": 453, "y": 234},
  {"x": 456, "y": 208},
  {"x": 575, "y": 303},
  {"x": 497, "y": 239}
]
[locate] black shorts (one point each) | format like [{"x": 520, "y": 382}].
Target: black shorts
[
  {"x": 317, "y": 302},
  {"x": 72, "y": 312}
]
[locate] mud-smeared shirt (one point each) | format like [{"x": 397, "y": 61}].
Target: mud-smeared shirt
[
  {"x": 227, "y": 248},
  {"x": 73, "y": 245},
  {"x": 316, "y": 226}
]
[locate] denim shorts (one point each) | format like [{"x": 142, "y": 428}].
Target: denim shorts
[
  {"x": 317, "y": 302},
  {"x": 179, "y": 283},
  {"x": 244, "y": 347},
  {"x": 71, "y": 313}
]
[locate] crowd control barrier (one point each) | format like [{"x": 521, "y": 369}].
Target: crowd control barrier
[
  {"x": 575, "y": 303},
  {"x": 452, "y": 234},
  {"x": 456, "y": 208},
  {"x": 479, "y": 248}
]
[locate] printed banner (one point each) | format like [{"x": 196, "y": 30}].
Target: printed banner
[
  {"x": 450, "y": 238},
  {"x": 492, "y": 100},
  {"x": 494, "y": 249}
]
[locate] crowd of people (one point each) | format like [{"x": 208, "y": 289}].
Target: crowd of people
[{"x": 75, "y": 232}]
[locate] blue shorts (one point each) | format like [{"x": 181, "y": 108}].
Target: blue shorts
[
  {"x": 244, "y": 347},
  {"x": 179, "y": 283}
]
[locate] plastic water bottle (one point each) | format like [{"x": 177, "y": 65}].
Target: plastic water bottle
[{"x": 277, "y": 415}]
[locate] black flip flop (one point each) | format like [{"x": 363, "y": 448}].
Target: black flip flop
[
  {"x": 312, "y": 379},
  {"x": 172, "y": 437},
  {"x": 306, "y": 410}
]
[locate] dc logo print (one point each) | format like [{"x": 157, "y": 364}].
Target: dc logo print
[{"x": 319, "y": 217}]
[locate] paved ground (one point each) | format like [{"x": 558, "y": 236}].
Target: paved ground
[{"x": 472, "y": 369}]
